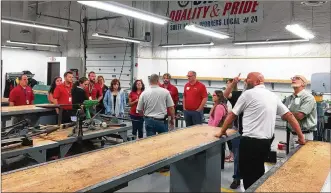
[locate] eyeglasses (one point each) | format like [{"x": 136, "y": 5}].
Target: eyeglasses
[
  {"x": 296, "y": 78},
  {"x": 214, "y": 95}
]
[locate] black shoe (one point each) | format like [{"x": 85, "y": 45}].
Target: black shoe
[{"x": 235, "y": 184}]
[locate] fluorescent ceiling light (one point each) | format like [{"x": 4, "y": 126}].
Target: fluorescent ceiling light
[
  {"x": 33, "y": 44},
  {"x": 13, "y": 47},
  {"x": 186, "y": 45},
  {"x": 108, "y": 36},
  {"x": 280, "y": 41},
  {"x": 299, "y": 31},
  {"x": 127, "y": 10},
  {"x": 34, "y": 24},
  {"x": 207, "y": 31}
]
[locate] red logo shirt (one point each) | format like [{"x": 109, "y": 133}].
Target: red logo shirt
[
  {"x": 63, "y": 95},
  {"x": 174, "y": 94},
  {"x": 94, "y": 91},
  {"x": 134, "y": 96},
  {"x": 193, "y": 95},
  {"x": 20, "y": 96}
]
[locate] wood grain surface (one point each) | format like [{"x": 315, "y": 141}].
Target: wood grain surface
[
  {"x": 62, "y": 134},
  {"x": 305, "y": 171},
  {"x": 19, "y": 108},
  {"x": 79, "y": 172}
]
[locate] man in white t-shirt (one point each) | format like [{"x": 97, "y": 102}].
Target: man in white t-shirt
[{"x": 260, "y": 107}]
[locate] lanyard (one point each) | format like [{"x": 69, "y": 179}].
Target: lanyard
[
  {"x": 68, "y": 90},
  {"x": 90, "y": 88}
]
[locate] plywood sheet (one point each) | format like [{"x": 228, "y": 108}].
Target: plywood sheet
[
  {"x": 79, "y": 172},
  {"x": 36, "y": 142},
  {"x": 62, "y": 134},
  {"x": 305, "y": 171},
  {"x": 19, "y": 108}
]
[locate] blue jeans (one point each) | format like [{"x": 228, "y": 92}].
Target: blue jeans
[
  {"x": 193, "y": 117},
  {"x": 153, "y": 126},
  {"x": 235, "y": 150},
  {"x": 137, "y": 125}
]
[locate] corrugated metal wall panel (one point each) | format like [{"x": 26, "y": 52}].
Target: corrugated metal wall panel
[{"x": 108, "y": 59}]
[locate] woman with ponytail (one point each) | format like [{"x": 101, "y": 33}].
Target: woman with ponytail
[
  {"x": 78, "y": 93},
  {"x": 219, "y": 111}
]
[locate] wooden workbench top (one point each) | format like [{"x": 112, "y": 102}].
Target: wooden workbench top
[
  {"x": 79, "y": 172},
  {"x": 305, "y": 171},
  {"x": 62, "y": 134},
  {"x": 19, "y": 108}
]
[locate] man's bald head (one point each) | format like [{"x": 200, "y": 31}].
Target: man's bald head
[{"x": 253, "y": 79}]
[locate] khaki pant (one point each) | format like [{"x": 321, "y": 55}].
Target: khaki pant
[{"x": 294, "y": 138}]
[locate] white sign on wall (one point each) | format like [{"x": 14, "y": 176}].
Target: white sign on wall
[{"x": 214, "y": 14}]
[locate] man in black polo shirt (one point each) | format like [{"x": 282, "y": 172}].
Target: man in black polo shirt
[{"x": 232, "y": 94}]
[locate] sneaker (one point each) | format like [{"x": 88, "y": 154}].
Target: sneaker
[{"x": 235, "y": 184}]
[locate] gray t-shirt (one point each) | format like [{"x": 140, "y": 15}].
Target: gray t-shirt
[
  {"x": 154, "y": 102},
  {"x": 305, "y": 103}
]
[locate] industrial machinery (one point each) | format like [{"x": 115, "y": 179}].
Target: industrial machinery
[{"x": 21, "y": 133}]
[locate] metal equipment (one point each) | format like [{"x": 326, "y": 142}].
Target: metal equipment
[{"x": 21, "y": 133}]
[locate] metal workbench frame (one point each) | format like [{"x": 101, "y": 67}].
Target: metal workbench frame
[
  {"x": 129, "y": 176},
  {"x": 38, "y": 153},
  {"x": 26, "y": 111},
  {"x": 260, "y": 181}
]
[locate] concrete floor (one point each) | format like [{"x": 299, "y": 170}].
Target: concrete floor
[{"x": 160, "y": 182}]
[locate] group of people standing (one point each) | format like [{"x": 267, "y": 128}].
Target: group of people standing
[
  {"x": 253, "y": 112},
  {"x": 71, "y": 95}
]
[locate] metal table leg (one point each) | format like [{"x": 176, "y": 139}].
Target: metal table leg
[
  {"x": 64, "y": 149},
  {"x": 60, "y": 116},
  {"x": 39, "y": 156},
  {"x": 198, "y": 173},
  {"x": 124, "y": 135}
]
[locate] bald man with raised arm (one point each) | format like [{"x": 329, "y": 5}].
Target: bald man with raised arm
[{"x": 260, "y": 107}]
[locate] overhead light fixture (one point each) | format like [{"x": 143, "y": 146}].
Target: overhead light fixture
[
  {"x": 33, "y": 44},
  {"x": 280, "y": 41},
  {"x": 207, "y": 31},
  {"x": 34, "y": 24},
  {"x": 127, "y": 10},
  {"x": 13, "y": 47},
  {"x": 186, "y": 45},
  {"x": 299, "y": 31},
  {"x": 108, "y": 36}
]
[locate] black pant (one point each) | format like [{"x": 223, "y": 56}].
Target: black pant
[
  {"x": 253, "y": 152},
  {"x": 66, "y": 116}
]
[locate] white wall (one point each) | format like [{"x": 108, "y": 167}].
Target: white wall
[
  {"x": 226, "y": 60},
  {"x": 18, "y": 61}
]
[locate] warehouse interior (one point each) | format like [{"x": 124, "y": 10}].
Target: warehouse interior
[{"x": 132, "y": 40}]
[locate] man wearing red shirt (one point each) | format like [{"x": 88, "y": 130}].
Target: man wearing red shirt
[
  {"x": 173, "y": 92},
  {"x": 194, "y": 99},
  {"x": 94, "y": 90},
  {"x": 22, "y": 94},
  {"x": 62, "y": 95}
]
